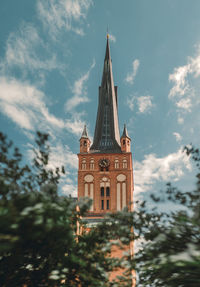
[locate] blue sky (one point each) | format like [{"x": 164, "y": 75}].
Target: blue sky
[{"x": 51, "y": 62}]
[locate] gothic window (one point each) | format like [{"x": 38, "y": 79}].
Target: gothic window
[
  {"x": 124, "y": 163},
  {"x": 85, "y": 143},
  {"x": 83, "y": 164},
  {"x": 121, "y": 192},
  {"x": 92, "y": 163},
  {"x": 107, "y": 191},
  {"x": 89, "y": 188},
  {"x": 124, "y": 142},
  {"x": 116, "y": 163}
]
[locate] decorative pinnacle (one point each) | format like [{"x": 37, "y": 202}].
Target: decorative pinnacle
[
  {"x": 125, "y": 133},
  {"x": 84, "y": 133}
]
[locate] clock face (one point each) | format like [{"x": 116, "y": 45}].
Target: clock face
[{"x": 104, "y": 162}]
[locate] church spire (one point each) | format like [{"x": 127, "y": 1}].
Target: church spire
[
  {"x": 84, "y": 133},
  {"x": 106, "y": 136}
]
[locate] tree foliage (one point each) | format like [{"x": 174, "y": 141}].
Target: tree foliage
[
  {"x": 40, "y": 245},
  {"x": 170, "y": 248}
]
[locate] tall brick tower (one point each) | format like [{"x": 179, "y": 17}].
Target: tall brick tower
[{"x": 105, "y": 172}]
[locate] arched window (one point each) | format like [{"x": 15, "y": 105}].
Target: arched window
[
  {"x": 83, "y": 163},
  {"x": 92, "y": 163},
  {"x": 116, "y": 163},
  {"x": 124, "y": 163},
  {"x": 105, "y": 199}
]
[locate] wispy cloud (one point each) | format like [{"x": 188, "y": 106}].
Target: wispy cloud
[
  {"x": 144, "y": 104},
  {"x": 177, "y": 136},
  {"x": 25, "y": 105},
  {"x": 61, "y": 155},
  {"x": 183, "y": 92},
  {"x": 79, "y": 90},
  {"x": 154, "y": 169},
  {"x": 21, "y": 51},
  {"x": 58, "y": 15},
  {"x": 131, "y": 76},
  {"x": 75, "y": 124}
]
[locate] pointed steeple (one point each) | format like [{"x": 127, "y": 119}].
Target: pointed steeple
[
  {"x": 125, "y": 141},
  {"x": 106, "y": 136},
  {"x": 107, "y": 55},
  {"x": 125, "y": 133},
  {"x": 84, "y": 133},
  {"x": 84, "y": 141}
]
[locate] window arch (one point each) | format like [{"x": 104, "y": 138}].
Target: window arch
[
  {"x": 124, "y": 163},
  {"x": 105, "y": 200},
  {"x": 116, "y": 163},
  {"x": 83, "y": 164},
  {"x": 89, "y": 188},
  {"x": 92, "y": 163}
]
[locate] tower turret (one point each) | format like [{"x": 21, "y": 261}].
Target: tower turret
[
  {"x": 125, "y": 141},
  {"x": 84, "y": 141}
]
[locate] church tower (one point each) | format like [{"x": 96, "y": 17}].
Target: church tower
[{"x": 105, "y": 172}]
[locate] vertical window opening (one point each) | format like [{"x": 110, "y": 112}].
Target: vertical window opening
[
  {"x": 102, "y": 204},
  {"x": 124, "y": 142},
  {"x": 107, "y": 191},
  {"x": 102, "y": 191},
  {"x": 107, "y": 204}
]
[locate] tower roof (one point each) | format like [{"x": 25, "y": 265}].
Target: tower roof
[
  {"x": 125, "y": 133},
  {"x": 84, "y": 133},
  {"x": 106, "y": 136}
]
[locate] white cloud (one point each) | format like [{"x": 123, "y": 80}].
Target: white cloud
[
  {"x": 177, "y": 136},
  {"x": 69, "y": 189},
  {"x": 131, "y": 76},
  {"x": 183, "y": 92},
  {"x": 57, "y": 15},
  {"x": 75, "y": 124},
  {"x": 25, "y": 105},
  {"x": 181, "y": 85},
  {"x": 153, "y": 169},
  {"x": 21, "y": 51},
  {"x": 79, "y": 90},
  {"x": 184, "y": 104},
  {"x": 143, "y": 103},
  {"x": 61, "y": 155}
]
